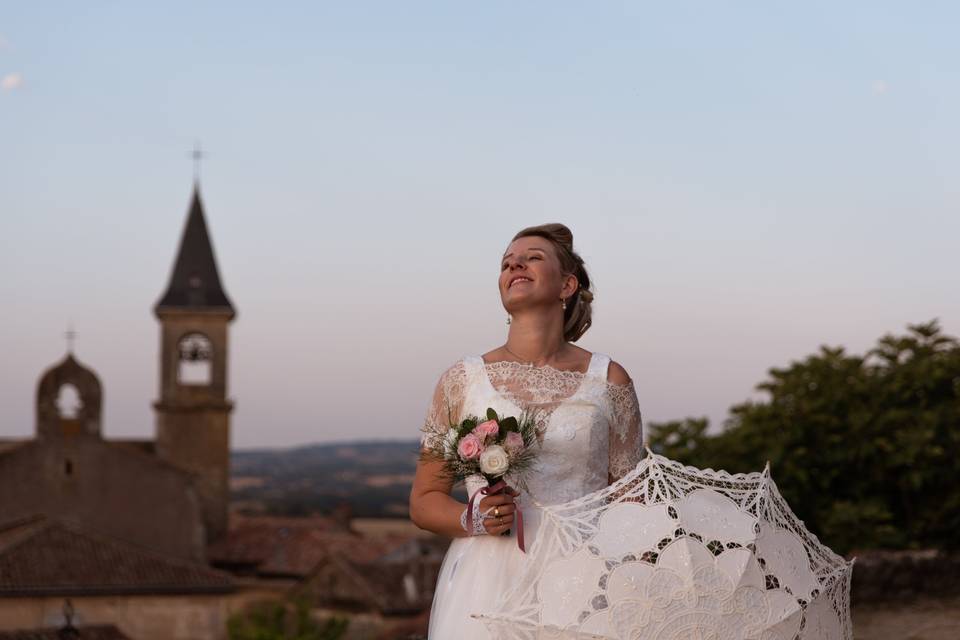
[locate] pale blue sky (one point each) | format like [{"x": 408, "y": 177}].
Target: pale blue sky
[{"x": 746, "y": 182}]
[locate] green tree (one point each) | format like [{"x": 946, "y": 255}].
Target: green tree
[
  {"x": 866, "y": 449},
  {"x": 283, "y": 621}
]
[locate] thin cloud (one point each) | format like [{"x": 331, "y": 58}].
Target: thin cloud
[
  {"x": 880, "y": 87},
  {"x": 11, "y": 81}
]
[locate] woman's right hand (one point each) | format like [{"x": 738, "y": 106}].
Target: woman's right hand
[{"x": 499, "y": 509}]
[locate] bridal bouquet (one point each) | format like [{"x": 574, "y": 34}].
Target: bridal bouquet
[{"x": 491, "y": 447}]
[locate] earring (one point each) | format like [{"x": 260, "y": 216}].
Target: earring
[
  {"x": 563, "y": 304},
  {"x": 508, "y": 318}
]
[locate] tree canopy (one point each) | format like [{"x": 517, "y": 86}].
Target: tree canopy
[{"x": 865, "y": 448}]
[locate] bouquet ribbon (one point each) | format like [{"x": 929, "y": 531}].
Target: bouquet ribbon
[{"x": 499, "y": 487}]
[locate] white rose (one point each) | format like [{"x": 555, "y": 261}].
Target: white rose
[
  {"x": 494, "y": 460},
  {"x": 450, "y": 445}
]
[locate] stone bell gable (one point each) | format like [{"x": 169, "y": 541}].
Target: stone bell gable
[{"x": 54, "y": 421}]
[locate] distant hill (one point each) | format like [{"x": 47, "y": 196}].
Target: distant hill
[{"x": 373, "y": 477}]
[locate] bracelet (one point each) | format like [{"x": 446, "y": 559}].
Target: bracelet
[{"x": 478, "y": 518}]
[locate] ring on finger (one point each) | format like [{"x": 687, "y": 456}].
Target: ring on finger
[{"x": 496, "y": 511}]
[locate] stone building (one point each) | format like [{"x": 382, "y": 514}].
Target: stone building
[
  {"x": 168, "y": 494},
  {"x": 118, "y": 487},
  {"x": 123, "y": 526},
  {"x": 48, "y": 564},
  {"x": 382, "y": 583},
  {"x": 193, "y": 411}
]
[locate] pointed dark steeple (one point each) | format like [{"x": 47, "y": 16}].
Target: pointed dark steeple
[{"x": 195, "y": 282}]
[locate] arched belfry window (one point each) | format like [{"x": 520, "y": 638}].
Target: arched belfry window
[
  {"x": 195, "y": 352},
  {"x": 68, "y": 402}
]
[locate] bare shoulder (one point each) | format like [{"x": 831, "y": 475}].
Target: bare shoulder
[
  {"x": 579, "y": 352},
  {"x": 576, "y": 358},
  {"x": 616, "y": 374}
]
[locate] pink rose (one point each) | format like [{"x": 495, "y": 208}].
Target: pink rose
[
  {"x": 487, "y": 431},
  {"x": 513, "y": 443},
  {"x": 470, "y": 447}
]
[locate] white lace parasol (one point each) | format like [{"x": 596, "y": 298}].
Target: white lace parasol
[{"x": 671, "y": 552}]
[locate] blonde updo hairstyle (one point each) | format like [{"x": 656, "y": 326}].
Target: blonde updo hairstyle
[{"x": 578, "y": 316}]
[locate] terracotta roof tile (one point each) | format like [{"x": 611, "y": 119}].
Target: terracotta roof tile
[
  {"x": 290, "y": 547},
  {"x": 50, "y": 557}
]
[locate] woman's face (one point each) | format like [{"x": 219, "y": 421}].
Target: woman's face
[{"x": 530, "y": 274}]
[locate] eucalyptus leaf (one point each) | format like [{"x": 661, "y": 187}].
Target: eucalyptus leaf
[{"x": 467, "y": 426}]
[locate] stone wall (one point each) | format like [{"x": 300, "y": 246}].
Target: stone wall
[
  {"x": 118, "y": 491},
  {"x": 144, "y": 617}
]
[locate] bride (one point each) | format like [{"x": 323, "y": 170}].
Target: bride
[{"x": 588, "y": 422}]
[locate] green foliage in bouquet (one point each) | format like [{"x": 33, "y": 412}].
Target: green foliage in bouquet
[
  {"x": 515, "y": 437},
  {"x": 866, "y": 449}
]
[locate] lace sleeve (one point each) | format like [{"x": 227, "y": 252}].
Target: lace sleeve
[
  {"x": 626, "y": 431},
  {"x": 447, "y": 403}
]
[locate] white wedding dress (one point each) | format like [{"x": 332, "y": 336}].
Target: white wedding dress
[{"x": 591, "y": 433}]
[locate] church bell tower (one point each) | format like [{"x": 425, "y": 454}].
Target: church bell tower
[{"x": 193, "y": 411}]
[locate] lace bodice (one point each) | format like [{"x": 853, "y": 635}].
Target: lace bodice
[{"x": 590, "y": 430}]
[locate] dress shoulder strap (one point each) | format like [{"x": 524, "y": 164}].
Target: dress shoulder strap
[
  {"x": 599, "y": 364},
  {"x": 473, "y": 367}
]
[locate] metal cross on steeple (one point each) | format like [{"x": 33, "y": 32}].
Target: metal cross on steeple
[
  {"x": 71, "y": 336},
  {"x": 197, "y": 154}
]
